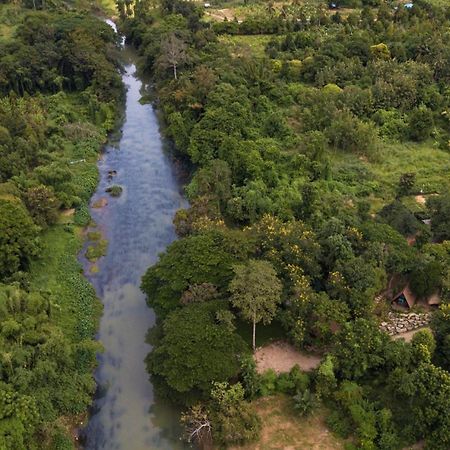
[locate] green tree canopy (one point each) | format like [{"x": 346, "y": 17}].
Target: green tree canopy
[
  {"x": 204, "y": 258},
  {"x": 196, "y": 350},
  {"x": 359, "y": 348},
  {"x": 439, "y": 207},
  {"x": 256, "y": 292},
  {"x": 18, "y": 237}
]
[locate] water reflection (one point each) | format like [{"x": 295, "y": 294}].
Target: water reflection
[{"x": 138, "y": 226}]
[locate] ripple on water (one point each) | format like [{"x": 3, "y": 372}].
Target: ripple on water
[{"x": 138, "y": 226}]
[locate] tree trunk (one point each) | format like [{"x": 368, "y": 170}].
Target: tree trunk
[
  {"x": 175, "y": 71},
  {"x": 254, "y": 333}
]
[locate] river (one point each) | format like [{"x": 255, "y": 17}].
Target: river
[{"x": 138, "y": 226}]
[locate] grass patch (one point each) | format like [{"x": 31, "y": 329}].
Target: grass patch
[
  {"x": 107, "y": 7},
  {"x": 240, "y": 9},
  {"x": 6, "y": 32},
  {"x": 10, "y": 16},
  {"x": 75, "y": 307},
  {"x": 412, "y": 204},
  {"x": 431, "y": 166},
  {"x": 240, "y": 45},
  {"x": 377, "y": 180},
  {"x": 94, "y": 235},
  {"x": 439, "y": 3},
  {"x": 97, "y": 250},
  {"x": 283, "y": 428}
]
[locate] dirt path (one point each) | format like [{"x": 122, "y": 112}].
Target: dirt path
[
  {"x": 281, "y": 357},
  {"x": 408, "y": 335}
]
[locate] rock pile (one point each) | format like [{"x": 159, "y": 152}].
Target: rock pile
[{"x": 400, "y": 323}]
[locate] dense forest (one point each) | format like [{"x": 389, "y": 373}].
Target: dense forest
[
  {"x": 319, "y": 136},
  {"x": 60, "y": 92}
]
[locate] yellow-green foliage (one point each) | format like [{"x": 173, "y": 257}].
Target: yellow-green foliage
[
  {"x": 97, "y": 250},
  {"x": 239, "y": 45}
]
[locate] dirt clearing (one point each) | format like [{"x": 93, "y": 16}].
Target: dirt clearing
[{"x": 281, "y": 357}]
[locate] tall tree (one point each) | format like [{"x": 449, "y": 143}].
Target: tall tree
[
  {"x": 173, "y": 53},
  {"x": 195, "y": 350},
  {"x": 18, "y": 237},
  {"x": 256, "y": 292}
]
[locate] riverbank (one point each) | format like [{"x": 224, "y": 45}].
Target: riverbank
[
  {"x": 53, "y": 126},
  {"x": 77, "y": 309},
  {"x": 75, "y": 306}
]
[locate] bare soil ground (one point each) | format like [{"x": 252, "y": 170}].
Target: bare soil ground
[
  {"x": 281, "y": 357},
  {"x": 408, "y": 335},
  {"x": 221, "y": 14},
  {"x": 100, "y": 203},
  {"x": 68, "y": 212},
  {"x": 284, "y": 429},
  {"x": 421, "y": 199}
]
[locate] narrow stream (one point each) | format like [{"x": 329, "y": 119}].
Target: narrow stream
[{"x": 138, "y": 226}]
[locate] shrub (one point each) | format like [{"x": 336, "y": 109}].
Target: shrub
[
  {"x": 234, "y": 420},
  {"x": 420, "y": 123},
  {"x": 348, "y": 133},
  {"x": 251, "y": 380},
  {"x": 284, "y": 383},
  {"x": 300, "y": 380},
  {"x": 268, "y": 383},
  {"x": 305, "y": 402},
  {"x": 392, "y": 124},
  {"x": 114, "y": 191},
  {"x": 339, "y": 424},
  {"x": 42, "y": 205},
  {"x": 325, "y": 382},
  {"x": 292, "y": 382},
  {"x": 82, "y": 216}
]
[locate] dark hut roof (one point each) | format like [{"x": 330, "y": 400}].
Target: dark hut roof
[{"x": 409, "y": 296}]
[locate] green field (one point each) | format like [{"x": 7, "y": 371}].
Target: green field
[
  {"x": 379, "y": 179},
  {"x": 240, "y": 45}
]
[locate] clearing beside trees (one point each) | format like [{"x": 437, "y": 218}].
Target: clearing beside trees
[
  {"x": 281, "y": 357},
  {"x": 283, "y": 428}
]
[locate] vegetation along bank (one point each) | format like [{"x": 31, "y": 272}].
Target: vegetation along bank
[
  {"x": 320, "y": 195},
  {"x": 60, "y": 95}
]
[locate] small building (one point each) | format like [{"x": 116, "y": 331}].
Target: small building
[
  {"x": 405, "y": 298},
  {"x": 434, "y": 301}
]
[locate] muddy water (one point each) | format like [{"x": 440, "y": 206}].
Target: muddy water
[{"x": 138, "y": 226}]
